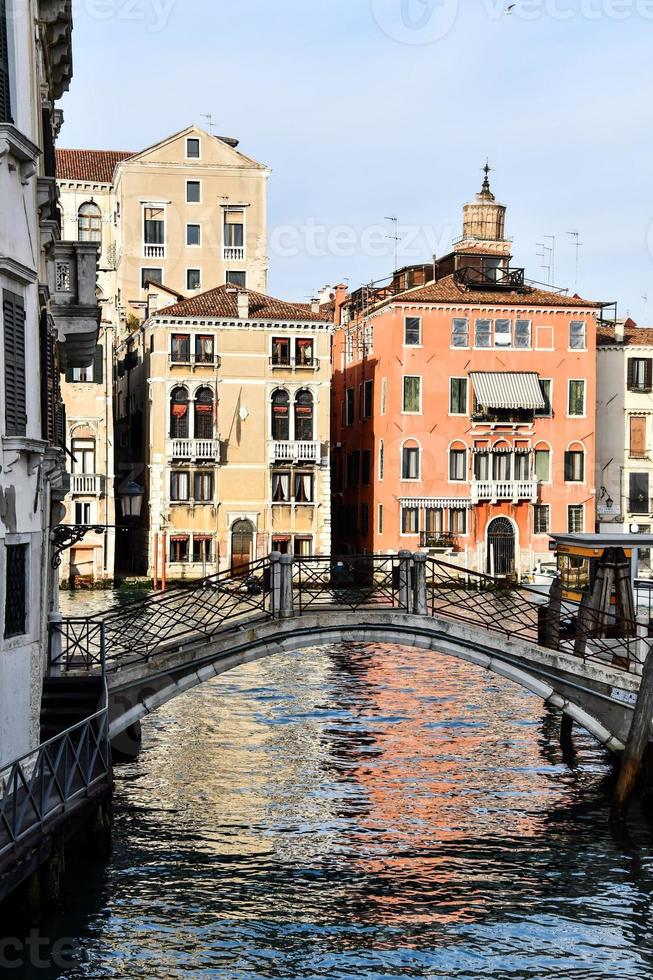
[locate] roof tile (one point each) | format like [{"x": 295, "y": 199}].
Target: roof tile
[
  {"x": 447, "y": 290},
  {"x": 222, "y": 303},
  {"x": 91, "y": 166}
]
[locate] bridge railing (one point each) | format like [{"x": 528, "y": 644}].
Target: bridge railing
[
  {"x": 350, "y": 582},
  {"x": 53, "y": 779},
  {"x": 135, "y": 632}
]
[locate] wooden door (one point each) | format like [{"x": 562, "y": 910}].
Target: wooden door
[
  {"x": 638, "y": 435},
  {"x": 242, "y": 545}
]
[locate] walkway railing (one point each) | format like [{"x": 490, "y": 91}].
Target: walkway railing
[
  {"x": 53, "y": 779},
  {"x": 282, "y": 586}
]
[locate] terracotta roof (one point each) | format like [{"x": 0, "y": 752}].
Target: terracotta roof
[
  {"x": 447, "y": 290},
  {"x": 92, "y": 166},
  {"x": 222, "y": 303},
  {"x": 634, "y": 336}
]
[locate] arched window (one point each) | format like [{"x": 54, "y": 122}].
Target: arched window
[
  {"x": 410, "y": 461},
  {"x": 575, "y": 463},
  {"x": 381, "y": 459},
  {"x": 303, "y": 416},
  {"x": 204, "y": 414},
  {"x": 179, "y": 414},
  {"x": 280, "y": 414},
  {"x": 89, "y": 223}
]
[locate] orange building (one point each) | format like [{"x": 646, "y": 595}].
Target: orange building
[{"x": 464, "y": 408}]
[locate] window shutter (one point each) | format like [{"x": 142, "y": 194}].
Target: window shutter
[
  {"x": 5, "y": 90},
  {"x": 649, "y": 373},
  {"x": 13, "y": 314},
  {"x": 98, "y": 365},
  {"x": 638, "y": 435},
  {"x": 631, "y": 371}
]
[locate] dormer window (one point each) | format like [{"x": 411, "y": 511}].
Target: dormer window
[{"x": 192, "y": 148}]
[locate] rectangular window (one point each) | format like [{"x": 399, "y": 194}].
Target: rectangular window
[
  {"x": 193, "y": 279},
  {"x": 192, "y": 148},
  {"x": 410, "y": 520},
  {"x": 458, "y": 521},
  {"x": 460, "y": 332},
  {"x": 380, "y": 519},
  {"x": 234, "y": 229},
  {"x": 410, "y": 463},
  {"x": 237, "y": 279},
  {"x": 179, "y": 546},
  {"x": 303, "y": 547},
  {"x": 522, "y": 466},
  {"x": 501, "y": 466},
  {"x": 482, "y": 467},
  {"x": 577, "y": 335},
  {"x": 433, "y": 521},
  {"x": 352, "y": 470},
  {"x": 83, "y": 514},
  {"x": 193, "y": 234},
  {"x": 154, "y": 232},
  {"x": 366, "y": 467},
  {"x": 193, "y": 191},
  {"x": 522, "y": 333},
  {"x": 281, "y": 487},
  {"x": 457, "y": 465},
  {"x": 203, "y": 486},
  {"x": 541, "y": 522},
  {"x": 384, "y": 395},
  {"x": 180, "y": 348},
  {"x": 412, "y": 395},
  {"x": 179, "y": 486},
  {"x": 502, "y": 333},
  {"x": 577, "y": 398},
  {"x": 16, "y": 604},
  {"x": 202, "y": 549},
  {"x": 13, "y": 316},
  {"x": 304, "y": 488},
  {"x": 542, "y": 465},
  {"x": 458, "y": 396},
  {"x": 5, "y": 87},
  {"x": 574, "y": 466},
  {"x": 204, "y": 350},
  {"x": 412, "y": 331},
  {"x": 575, "y": 519},
  {"x": 281, "y": 351},
  {"x": 151, "y": 275},
  {"x": 640, "y": 373},
  {"x": 304, "y": 352},
  {"x": 368, "y": 399},
  {"x": 545, "y": 387},
  {"x": 638, "y": 493},
  {"x": 83, "y": 453},
  {"x": 638, "y": 436},
  {"x": 483, "y": 333},
  {"x": 349, "y": 406}
]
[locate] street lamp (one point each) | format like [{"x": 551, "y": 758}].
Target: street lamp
[
  {"x": 131, "y": 501},
  {"x": 608, "y": 499}
]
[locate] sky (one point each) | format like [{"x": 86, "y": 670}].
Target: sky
[{"x": 369, "y": 109}]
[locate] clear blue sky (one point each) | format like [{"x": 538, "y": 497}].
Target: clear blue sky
[{"x": 368, "y": 108}]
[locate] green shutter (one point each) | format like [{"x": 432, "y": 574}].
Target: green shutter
[
  {"x": 98, "y": 365},
  {"x": 5, "y": 90},
  {"x": 13, "y": 317}
]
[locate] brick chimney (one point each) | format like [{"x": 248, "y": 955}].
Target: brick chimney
[{"x": 243, "y": 304}]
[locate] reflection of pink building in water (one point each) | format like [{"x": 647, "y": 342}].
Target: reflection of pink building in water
[{"x": 464, "y": 408}]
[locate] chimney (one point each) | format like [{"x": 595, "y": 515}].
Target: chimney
[
  {"x": 340, "y": 298},
  {"x": 243, "y": 304},
  {"x": 315, "y": 305}
]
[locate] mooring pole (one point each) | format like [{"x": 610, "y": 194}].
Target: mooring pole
[{"x": 638, "y": 737}]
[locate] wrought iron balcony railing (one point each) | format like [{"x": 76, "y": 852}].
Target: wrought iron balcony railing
[{"x": 474, "y": 278}]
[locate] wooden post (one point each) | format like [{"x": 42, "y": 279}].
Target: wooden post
[
  {"x": 164, "y": 548},
  {"x": 566, "y": 729},
  {"x": 156, "y": 560},
  {"x": 638, "y": 737}
]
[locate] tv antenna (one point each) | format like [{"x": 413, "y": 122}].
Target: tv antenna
[
  {"x": 547, "y": 260},
  {"x": 578, "y": 245},
  {"x": 209, "y": 118},
  {"x": 396, "y": 238}
]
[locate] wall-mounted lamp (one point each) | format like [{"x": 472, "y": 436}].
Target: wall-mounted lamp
[{"x": 609, "y": 502}]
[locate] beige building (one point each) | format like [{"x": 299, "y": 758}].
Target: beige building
[
  {"x": 624, "y": 477},
  {"x": 236, "y": 407},
  {"x": 179, "y": 217}
]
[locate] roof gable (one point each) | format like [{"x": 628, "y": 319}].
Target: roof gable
[
  {"x": 214, "y": 151},
  {"x": 221, "y": 303}
]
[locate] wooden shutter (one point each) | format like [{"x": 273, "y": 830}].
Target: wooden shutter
[
  {"x": 637, "y": 435},
  {"x": 13, "y": 316},
  {"x": 648, "y": 374},
  {"x": 631, "y": 367},
  {"x": 98, "y": 366},
  {"x": 5, "y": 90}
]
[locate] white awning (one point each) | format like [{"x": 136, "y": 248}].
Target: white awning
[{"x": 508, "y": 389}]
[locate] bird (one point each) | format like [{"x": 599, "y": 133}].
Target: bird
[{"x": 509, "y": 9}]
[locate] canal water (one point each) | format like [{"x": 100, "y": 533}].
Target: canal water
[{"x": 359, "y": 811}]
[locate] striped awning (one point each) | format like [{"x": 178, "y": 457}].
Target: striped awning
[{"x": 508, "y": 389}]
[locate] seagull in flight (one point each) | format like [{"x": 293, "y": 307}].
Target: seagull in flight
[{"x": 509, "y": 9}]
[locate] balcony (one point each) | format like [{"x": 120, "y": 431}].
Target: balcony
[
  {"x": 206, "y": 449},
  {"x": 491, "y": 279},
  {"x": 88, "y": 484},
  {"x": 234, "y": 253},
  {"x": 294, "y": 452},
  {"x": 154, "y": 251},
  {"x": 311, "y": 364},
  {"x": 73, "y": 280},
  {"x": 440, "y": 540},
  {"x": 513, "y": 490}
]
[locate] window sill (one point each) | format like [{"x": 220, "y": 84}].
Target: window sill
[{"x": 22, "y": 444}]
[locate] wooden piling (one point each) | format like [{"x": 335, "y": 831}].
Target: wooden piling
[{"x": 638, "y": 737}]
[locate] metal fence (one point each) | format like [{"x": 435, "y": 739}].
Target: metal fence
[{"x": 350, "y": 582}]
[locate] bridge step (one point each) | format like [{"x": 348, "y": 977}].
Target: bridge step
[{"x": 67, "y": 701}]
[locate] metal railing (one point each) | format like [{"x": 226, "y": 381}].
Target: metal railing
[
  {"x": 349, "y": 582},
  {"x": 134, "y": 633},
  {"x": 53, "y": 779}
]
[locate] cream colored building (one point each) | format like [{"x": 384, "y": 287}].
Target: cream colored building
[
  {"x": 177, "y": 218},
  {"x": 237, "y": 400},
  {"x": 625, "y": 428}
]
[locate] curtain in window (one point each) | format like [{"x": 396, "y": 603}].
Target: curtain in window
[
  {"x": 304, "y": 416},
  {"x": 280, "y": 487},
  {"x": 280, "y": 415},
  {"x": 303, "y": 488},
  {"x": 179, "y": 414},
  {"x": 280, "y": 350},
  {"x": 204, "y": 350},
  {"x": 304, "y": 351}
]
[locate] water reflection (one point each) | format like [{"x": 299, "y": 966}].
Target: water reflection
[{"x": 363, "y": 811}]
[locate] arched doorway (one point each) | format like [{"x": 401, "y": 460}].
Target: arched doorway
[
  {"x": 500, "y": 547},
  {"x": 242, "y": 546}
]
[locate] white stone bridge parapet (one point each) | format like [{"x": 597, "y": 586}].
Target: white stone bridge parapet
[{"x": 163, "y": 646}]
